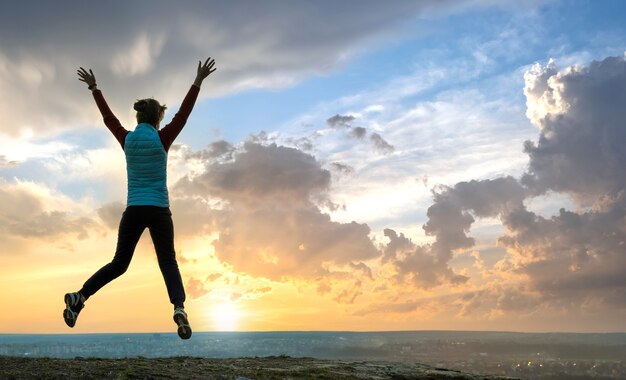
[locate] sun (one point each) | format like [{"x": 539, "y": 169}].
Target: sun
[{"x": 225, "y": 317}]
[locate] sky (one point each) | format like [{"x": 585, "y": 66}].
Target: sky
[{"x": 354, "y": 165}]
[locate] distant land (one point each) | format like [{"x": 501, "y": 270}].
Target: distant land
[{"x": 552, "y": 356}]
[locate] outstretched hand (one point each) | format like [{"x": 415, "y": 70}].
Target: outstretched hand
[
  {"x": 87, "y": 77},
  {"x": 204, "y": 70}
]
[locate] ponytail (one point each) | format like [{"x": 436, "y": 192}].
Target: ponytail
[{"x": 149, "y": 111}]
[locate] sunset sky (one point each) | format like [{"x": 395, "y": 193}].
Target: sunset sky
[{"x": 351, "y": 165}]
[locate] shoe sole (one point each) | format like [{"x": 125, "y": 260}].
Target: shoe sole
[
  {"x": 68, "y": 314},
  {"x": 184, "y": 330}
]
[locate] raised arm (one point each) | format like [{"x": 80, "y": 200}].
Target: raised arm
[
  {"x": 169, "y": 133},
  {"x": 109, "y": 118}
]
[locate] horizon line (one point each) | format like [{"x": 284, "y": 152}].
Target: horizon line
[{"x": 325, "y": 331}]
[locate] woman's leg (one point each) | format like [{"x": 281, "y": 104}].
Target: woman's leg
[
  {"x": 162, "y": 232},
  {"x": 131, "y": 228}
]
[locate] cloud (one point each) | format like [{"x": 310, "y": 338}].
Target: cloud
[
  {"x": 419, "y": 264},
  {"x": 213, "y": 276},
  {"x": 397, "y": 245},
  {"x": 262, "y": 173},
  {"x": 323, "y": 288},
  {"x": 139, "y": 57},
  {"x": 341, "y": 169},
  {"x": 269, "y": 45},
  {"x": 359, "y": 133},
  {"x": 574, "y": 258},
  {"x": 580, "y": 112},
  {"x": 570, "y": 257},
  {"x": 492, "y": 301},
  {"x": 349, "y": 295},
  {"x": 27, "y": 211},
  {"x": 264, "y": 201},
  {"x": 395, "y": 307},
  {"x": 271, "y": 225},
  {"x": 111, "y": 213},
  {"x": 380, "y": 144},
  {"x": 216, "y": 150},
  {"x": 340, "y": 121},
  {"x": 305, "y": 144},
  {"x": 4, "y": 163},
  {"x": 195, "y": 217},
  {"x": 449, "y": 220},
  {"x": 251, "y": 293},
  {"x": 363, "y": 268},
  {"x": 571, "y": 260},
  {"x": 195, "y": 288}
]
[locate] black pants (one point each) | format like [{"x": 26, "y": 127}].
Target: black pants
[{"x": 134, "y": 221}]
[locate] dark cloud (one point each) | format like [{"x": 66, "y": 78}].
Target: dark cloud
[
  {"x": 340, "y": 121},
  {"x": 220, "y": 149},
  {"x": 575, "y": 257},
  {"x": 381, "y": 144},
  {"x": 341, "y": 169},
  {"x": 486, "y": 198},
  {"x": 570, "y": 256},
  {"x": 581, "y": 114},
  {"x": 398, "y": 244},
  {"x": 358, "y": 132}
]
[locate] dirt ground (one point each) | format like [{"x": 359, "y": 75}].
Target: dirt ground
[{"x": 274, "y": 367}]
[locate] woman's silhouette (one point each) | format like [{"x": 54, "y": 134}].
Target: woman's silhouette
[{"x": 145, "y": 149}]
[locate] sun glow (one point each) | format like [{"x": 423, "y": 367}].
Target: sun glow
[{"x": 225, "y": 317}]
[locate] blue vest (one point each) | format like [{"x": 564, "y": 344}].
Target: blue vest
[{"x": 146, "y": 167}]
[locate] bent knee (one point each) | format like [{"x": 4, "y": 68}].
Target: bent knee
[{"x": 119, "y": 268}]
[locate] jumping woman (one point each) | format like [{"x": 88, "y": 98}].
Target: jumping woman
[{"x": 146, "y": 150}]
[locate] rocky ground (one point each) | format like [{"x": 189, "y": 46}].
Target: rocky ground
[{"x": 273, "y": 367}]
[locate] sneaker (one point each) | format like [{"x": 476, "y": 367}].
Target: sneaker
[
  {"x": 73, "y": 305},
  {"x": 180, "y": 317}
]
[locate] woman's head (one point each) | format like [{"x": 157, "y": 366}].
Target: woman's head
[{"x": 149, "y": 111}]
